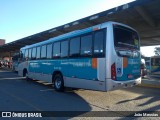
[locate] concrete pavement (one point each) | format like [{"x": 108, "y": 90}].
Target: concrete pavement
[
  {"x": 21, "y": 95},
  {"x": 151, "y": 81}
]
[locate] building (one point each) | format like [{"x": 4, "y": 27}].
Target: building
[{"x": 2, "y": 41}]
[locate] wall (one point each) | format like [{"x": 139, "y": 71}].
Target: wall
[{"x": 2, "y": 41}]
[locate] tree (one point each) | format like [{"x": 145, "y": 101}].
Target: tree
[{"x": 157, "y": 51}]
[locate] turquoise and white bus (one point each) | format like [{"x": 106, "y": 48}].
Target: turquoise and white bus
[
  {"x": 103, "y": 57},
  {"x": 155, "y": 65},
  {"x": 15, "y": 58}
]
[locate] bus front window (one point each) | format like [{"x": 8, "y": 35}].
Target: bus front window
[{"x": 125, "y": 41}]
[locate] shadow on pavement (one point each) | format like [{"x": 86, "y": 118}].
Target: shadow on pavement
[
  {"x": 21, "y": 95},
  {"x": 150, "y": 94}
]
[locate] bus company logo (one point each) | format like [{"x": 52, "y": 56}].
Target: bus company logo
[
  {"x": 133, "y": 62},
  {"x": 6, "y": 114},
  {"x": 23, "y": 114}
]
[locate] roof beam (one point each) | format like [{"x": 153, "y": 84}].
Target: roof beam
[
  {"x": 145, "y": 16},
  {"x": 151, "y": 37},
  {"x": 28, "y": 42}
]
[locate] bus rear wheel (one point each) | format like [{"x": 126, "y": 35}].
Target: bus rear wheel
[{"x": 58, "y": 82}]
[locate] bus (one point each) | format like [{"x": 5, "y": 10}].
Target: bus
[
  {"x": 143, "y": 68},
  {"x": 15, "y": 62},
  {"x": 148, "y": 66},
  {"x": 103, "y": 57},
  {"x": 155, "y": 65}
]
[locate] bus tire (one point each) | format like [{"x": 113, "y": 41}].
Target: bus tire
[
  {"x": 58, "y": 82},
  {"x": 25, "y": 74}
]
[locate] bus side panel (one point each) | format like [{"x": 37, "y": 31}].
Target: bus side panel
[
  {"x": 85, "y": 84},
  {"x": 41, "y": 70},
  {"x": 101, "y": 72},
  {"x": 79, "y": 68},
  {"x": 40, "y": 76},
  {"x": 21, "y": 67},
  {"x": 77, "y": 73},
  {"x": 93, "y": 80},
  {"x": 155, "y": 69}
]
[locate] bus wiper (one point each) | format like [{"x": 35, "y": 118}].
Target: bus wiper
[{"x": 127, "y": 44}]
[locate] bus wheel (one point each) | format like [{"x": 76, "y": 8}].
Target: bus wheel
[
  {"x": 58, "y": 82},
  {"x": 25, "y": 74}
]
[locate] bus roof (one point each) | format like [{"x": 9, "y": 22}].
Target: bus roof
[{"x": 75, "y": 33}]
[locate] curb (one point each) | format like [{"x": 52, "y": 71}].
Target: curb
[
  {"x": 7, "y": 69},
  {"x": 149, "y": 85}
]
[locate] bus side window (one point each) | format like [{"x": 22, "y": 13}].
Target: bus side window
[
  {"x": 43, "y": 52},
  {"x": 157, "y": 60},
  {"x": 99, "y": 43},
  {"x": 26, "y": 54},
  {"x": 75, "y": 47},
  {"x": 22, "y": 54},
  {"x": 30, "y": 54},
  {"x": 49, "y": 51},
  {"x": 56, "y": 50},
  {"x": 38, "y": 53},
  {"x": 64, "y": 49},
  {"x": 33, "y": 53},
  {"x": 86, "y": 45}
]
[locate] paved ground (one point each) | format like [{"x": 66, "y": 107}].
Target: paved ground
[
  {"x": 151, "y": 81},
  {"x": 20, "y": 95}
]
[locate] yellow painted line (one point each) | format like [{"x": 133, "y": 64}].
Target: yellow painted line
[
  {"x": 149, "y": 85},
  {"x": 47, "y": 83},
  {"x": 34, "y": 80},
  {"x": 43, "y": 82},
  {"x": 40, "y": 81}
]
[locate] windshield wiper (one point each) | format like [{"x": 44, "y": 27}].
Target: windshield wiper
[{"x": 127, "y": 44}]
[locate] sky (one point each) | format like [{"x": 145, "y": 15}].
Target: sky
[
  {"x": 22, "y": 18},
  {"x": 147, "y": 51}
]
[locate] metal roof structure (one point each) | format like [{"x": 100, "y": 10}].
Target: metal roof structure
[{"x": 143, "y": 15}]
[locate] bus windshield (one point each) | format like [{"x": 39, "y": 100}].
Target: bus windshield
[
  {"x": 125, "y": 38},
  {"x": 155, "y": 61}
]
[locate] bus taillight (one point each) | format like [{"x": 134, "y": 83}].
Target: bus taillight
[{"x": 113, "y": 71}]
